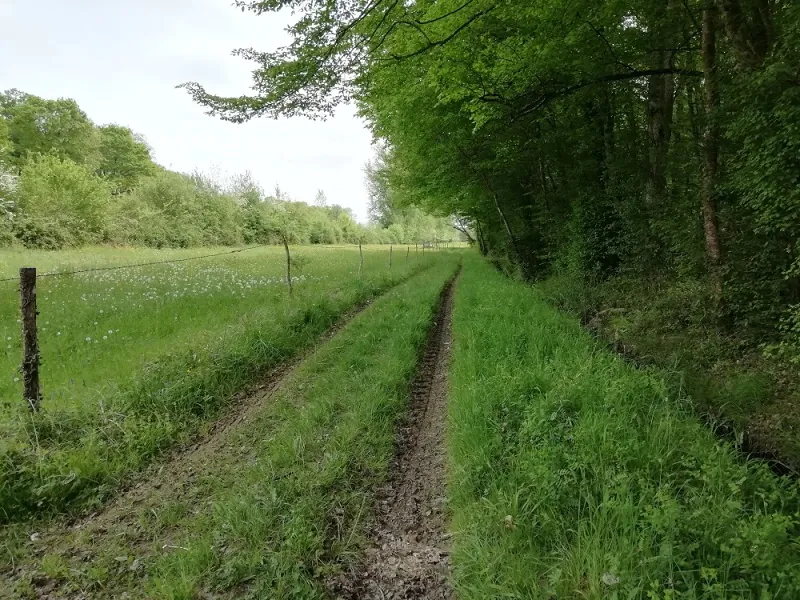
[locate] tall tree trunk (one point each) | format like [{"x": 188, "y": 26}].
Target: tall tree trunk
[
  {"x": 660, "y": 105},
  {"x": 711, "y": 151},
  {"x": 750, "y": 35},
  {"x": 611, "y": 230},
  {"x": 511, "y": 238},
  {"x": 481, "y": 240}
]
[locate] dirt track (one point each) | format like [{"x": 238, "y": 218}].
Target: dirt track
[
  {"x": 173, "y": 479},
  {"x": 409, "y": 555},
  {"x": 409, "y": 552}
]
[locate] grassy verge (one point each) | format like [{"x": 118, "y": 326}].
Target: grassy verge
[
  {"x": 284, "y": 504},
  {"x": 725, "y": 372},
  {"x": 73, "y": 454},
  {"x": 575, "y": 475}
]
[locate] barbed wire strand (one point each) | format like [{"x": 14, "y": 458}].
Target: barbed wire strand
[
  {"x": 144, "y": 264},
  {"x": 176, "y": 260}
]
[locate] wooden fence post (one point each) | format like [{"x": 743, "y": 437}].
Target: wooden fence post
[
  {"x": 360, "y": 260},
  {"x": 288, "y": 264},
  {"x": 30, "y": 344},
  {"x": 390, "y": 256}
]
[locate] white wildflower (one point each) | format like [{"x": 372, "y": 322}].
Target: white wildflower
[{"x": 609, "y": 578}]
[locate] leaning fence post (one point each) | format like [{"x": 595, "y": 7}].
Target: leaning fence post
[
  {"x": 30, "y": 344},
  {"x": 288, "y": 265},
  {"x": 360, "y": 260},
  {"x": 390, "y": 256}
]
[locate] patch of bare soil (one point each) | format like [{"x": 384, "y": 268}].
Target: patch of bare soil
[
  {"x": 409, "y": 552},
  {"x": 175, "y": 481}
]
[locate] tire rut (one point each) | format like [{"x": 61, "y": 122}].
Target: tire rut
[
  {"x": 174, "y": 479},
  {"x": 408, "y": 556}
]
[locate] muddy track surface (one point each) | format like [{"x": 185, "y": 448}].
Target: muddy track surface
[
  {"x": 174, "y": 479},
  {"x": 409, "y": 554}
]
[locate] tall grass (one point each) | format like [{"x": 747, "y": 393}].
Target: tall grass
[
  {"x": 97, "y": 327},
  {"x": 137, "y": 359},
  {"x": 575, "y": 475}
]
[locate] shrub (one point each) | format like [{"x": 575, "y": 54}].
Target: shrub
[{"x": 60, "y": 204}]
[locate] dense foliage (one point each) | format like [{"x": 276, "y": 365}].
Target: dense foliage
[
  {"x": 648, "y": 139},
  {"x": 65, "y": 182}
]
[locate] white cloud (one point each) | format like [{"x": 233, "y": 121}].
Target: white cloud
[{"x": 121, "y": 61}]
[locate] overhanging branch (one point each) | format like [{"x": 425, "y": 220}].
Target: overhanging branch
[{"x": 548, "y": 97}]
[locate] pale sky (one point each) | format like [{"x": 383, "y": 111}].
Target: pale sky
[{"x": 121, "y": 60}]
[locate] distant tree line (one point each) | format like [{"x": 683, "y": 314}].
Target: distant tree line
[
  {"x": 66, "y": 182},
  {"x": 651, "y": 140}
]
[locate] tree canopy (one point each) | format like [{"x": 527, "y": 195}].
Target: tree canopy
[{"x": 644, "y": 138}]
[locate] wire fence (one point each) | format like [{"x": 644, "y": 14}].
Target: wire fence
[
  {"x": 433, "y": 244},
  {"x": 107, "y": 323},
  {"x": 142, "y": 264}
]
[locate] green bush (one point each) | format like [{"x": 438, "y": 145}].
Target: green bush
[
  {"x": 169, "y": 210},
  {"x": 8, "y": 185},
  {"x": 60, "y": 204}
]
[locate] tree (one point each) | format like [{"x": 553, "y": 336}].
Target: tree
[
  {"x": 124, "y": 158},
  {"x": 8, "y": 187},
  {"x": 5, "y": 142},
  {"x": 245, "y": 189},
  {"x": 379, "y": 192},
  {"x": 320, "y": 199},
  {"x": 463, "y": 226},
  {"x": 58, "y": 127},
  {"x": 60, "y": 204},
  {"x": 711, "y": 148},
  {"x": 333, "y": 43}
]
